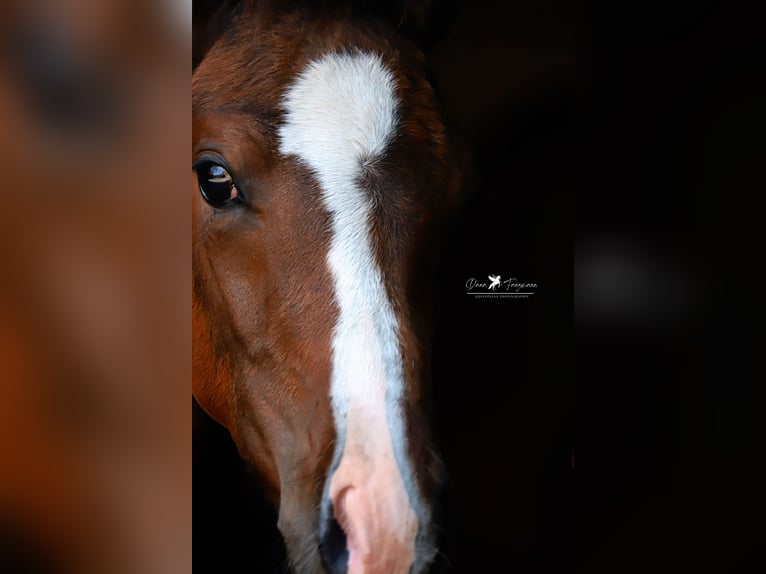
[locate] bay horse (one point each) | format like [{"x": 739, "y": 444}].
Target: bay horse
[{"x": 321, "y": 179}]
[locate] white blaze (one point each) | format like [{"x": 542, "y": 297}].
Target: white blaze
[{"x": 340, "y": 113}]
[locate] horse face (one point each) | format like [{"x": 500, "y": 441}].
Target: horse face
[{"x": 320, "y": 173}]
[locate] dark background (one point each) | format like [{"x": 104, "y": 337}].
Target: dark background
[
  {"x": 503, "y": 367},
  {"x": 668, "y": 248}
]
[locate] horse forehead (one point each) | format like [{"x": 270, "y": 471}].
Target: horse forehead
[
  {"x": 340, "y": 113},
  {"x": 261, "y": 57}
]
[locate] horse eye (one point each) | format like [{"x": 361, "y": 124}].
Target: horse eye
[{"x": 216, "y": 184}]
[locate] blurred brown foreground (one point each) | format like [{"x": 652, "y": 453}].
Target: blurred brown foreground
[{"x": 95, "y": 430}]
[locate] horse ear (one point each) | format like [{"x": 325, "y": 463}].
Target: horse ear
[
  {"x": 427, "y": 21},
  {"x": 423, "y": 21},
  {"x": 209, "y": 20}
]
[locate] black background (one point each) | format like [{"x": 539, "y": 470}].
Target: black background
[{"x": 670, "y": 157}]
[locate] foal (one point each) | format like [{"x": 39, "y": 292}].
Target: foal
[{"x": 321, "y": 176}]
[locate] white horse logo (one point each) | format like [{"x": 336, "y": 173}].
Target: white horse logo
[{"x": 495, "y": 282}]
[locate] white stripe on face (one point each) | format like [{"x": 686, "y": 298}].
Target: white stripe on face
[{"x": 340, "y": 113}]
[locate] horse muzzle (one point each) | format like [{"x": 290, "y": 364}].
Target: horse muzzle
[{"x": 372, "y": 524}]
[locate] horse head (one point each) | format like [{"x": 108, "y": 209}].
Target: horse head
[{"x": 322, "y": 174}]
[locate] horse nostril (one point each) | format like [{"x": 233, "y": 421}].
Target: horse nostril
[{"x": 332, "y": 546}]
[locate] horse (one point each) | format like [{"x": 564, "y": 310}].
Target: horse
[{"x": 322, "y": 179}]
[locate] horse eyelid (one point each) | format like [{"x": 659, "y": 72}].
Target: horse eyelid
[{"x": 207, "y": 158}]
